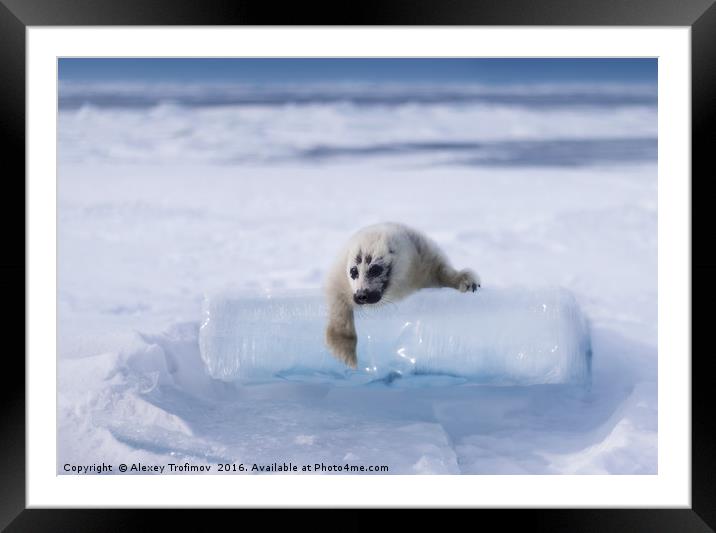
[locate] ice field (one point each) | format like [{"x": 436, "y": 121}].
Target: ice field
[{"x": 163, "y": 200}]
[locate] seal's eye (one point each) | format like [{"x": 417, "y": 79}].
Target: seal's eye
[
  {"x": 375, "y": 271},
  {"x": 354, "y": 272}
]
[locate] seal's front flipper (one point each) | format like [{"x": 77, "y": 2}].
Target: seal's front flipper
[
  {"x": 343, "y": 346},
  {"x": 341, "y": 332},
  {"x": 467, "y": 281}
]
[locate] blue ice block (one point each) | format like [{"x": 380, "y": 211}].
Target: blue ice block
[{"x": 497, "y": 336}]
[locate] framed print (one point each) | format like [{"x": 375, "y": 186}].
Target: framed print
[{"x": 441, "y": 262}]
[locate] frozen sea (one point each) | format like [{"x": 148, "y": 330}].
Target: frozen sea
[{"x": 170, "y": 192}]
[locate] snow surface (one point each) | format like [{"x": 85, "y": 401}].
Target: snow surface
[{"x": 158, "y": 205}]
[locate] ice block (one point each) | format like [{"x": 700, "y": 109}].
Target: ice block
[{"x": 497, "y": 336}]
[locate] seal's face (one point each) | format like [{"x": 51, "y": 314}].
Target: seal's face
[{"x": 369, "y": 276}]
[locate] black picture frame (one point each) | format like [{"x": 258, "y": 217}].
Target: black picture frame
[{"x": 17, "y": 15}]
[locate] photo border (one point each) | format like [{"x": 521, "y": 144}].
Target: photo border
[{"x": 699, "y": 15}]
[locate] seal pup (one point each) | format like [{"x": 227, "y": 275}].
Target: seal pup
[{"x": 383, "y": 263}]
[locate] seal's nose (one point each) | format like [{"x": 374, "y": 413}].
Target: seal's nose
[
  {"x": 360, "y": 297},
  {"x": 365, "y": 296}
]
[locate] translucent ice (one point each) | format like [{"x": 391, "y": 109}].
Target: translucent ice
[{"x": 505, "y": 336}]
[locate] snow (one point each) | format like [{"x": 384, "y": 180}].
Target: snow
[{"x": 162, "y": 205}]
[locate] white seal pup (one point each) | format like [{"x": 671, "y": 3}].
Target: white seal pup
[{"x": 383, "y": 263}]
